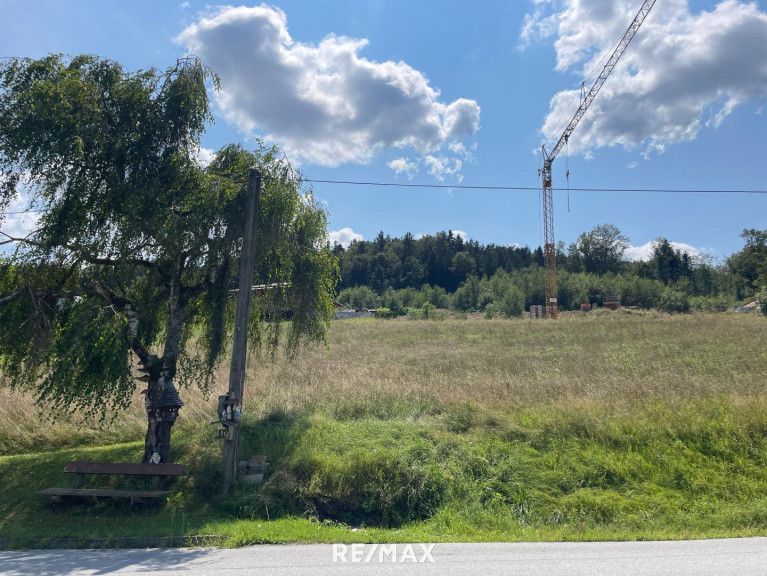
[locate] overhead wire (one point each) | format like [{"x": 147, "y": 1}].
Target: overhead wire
[
  {"x": 536, "y": 188},
  {"x": 567, "y": 189},
  {"x": 23, "y": 212}
]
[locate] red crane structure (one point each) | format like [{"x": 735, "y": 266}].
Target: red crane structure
[{"x": 549, "y": 248}]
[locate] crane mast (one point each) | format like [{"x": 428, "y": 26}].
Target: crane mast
[{"x": 549, "y": 249}]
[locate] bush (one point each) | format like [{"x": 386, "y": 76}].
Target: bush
[
  {"x": 359, "y": 297},
  {"x": 426, "y": 312},
  {"x": 436, "y": 296},
  {"x": 672, "y": 300},
  {"x": 398, "y": 301},
  {"x": 710, "y": 304},
  {"x": 507, "y": 301},
  {"x": 384, "y": 313},
  {"x": 466, "y": 298},
  {"x": 761, "y": 297}
]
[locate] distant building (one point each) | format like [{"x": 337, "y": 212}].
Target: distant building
[
  {"x": 351, "y": 313},
  {"x": 611, "y": 302},
  {"x": 750, "y": 307}
]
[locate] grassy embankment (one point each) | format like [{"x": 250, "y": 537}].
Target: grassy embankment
[{"x": 611, "y": 426}]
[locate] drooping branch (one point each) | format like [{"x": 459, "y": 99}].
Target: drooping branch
[
  {"x": 47, "y": 293},
  {"x": 11, "y": 297},
  {"x": 25, "y": 240},
  {"x": 86, "y": 257},
  {"x": 130, "y": 311},
  {"x": 118, "y": 304},
  {"x": 121, "y": 261},
  {"x": 189, "y": 292}
]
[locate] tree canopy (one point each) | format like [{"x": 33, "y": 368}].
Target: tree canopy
[
  {"x": 749, "y": 266},
  {"x": 138, "y": 245},
  {"x": 601, "y": 249}
]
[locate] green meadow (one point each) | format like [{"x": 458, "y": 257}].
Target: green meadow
[{"x": 606, "y": 426}]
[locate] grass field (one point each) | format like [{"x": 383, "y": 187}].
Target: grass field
[{"x": 610, "y": 426}]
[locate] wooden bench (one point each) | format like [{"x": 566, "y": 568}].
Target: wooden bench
[{"x": 157, "y": 472}]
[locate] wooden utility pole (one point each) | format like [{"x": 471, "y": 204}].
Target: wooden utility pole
[{"x": 240, "y": 344}]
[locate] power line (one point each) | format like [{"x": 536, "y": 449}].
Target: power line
[
  {"x": 535, "y": 189},
  {"x": 504, "y": 188},
  {"x": 402, "y": 185},
  {"x": 23, "y": 212}
]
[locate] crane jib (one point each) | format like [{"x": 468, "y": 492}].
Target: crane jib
[
  {"x": 549, "y": 250},
  {"x": 606, "y": 71}
]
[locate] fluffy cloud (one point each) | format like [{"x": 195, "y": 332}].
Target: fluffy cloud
[
  {"x": 441, "y": 166},
  {"x": 204, "y": 156},
  {"x": 683, "y": 71},
  {"x": 404, "y": 166},
  {"x": 644, "y": 252},
  {"x": 344, "y": 237},
  {"x": 323, "y": 103}
]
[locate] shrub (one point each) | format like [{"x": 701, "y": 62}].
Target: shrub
[
  {"x": 672, "y": 300},
  {"x": 506, "y": 300},
  {"x": 384, "y": 313},
  {"x": 426, "y": 312},
  {"x": 762, "y": 299},
  {"x": 710, "y": 304},
  {"x": 359, "y": 297},
  {"x": 467, "y": 296}
]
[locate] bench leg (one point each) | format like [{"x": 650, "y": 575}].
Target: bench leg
[{"x": 78, "y": 481}]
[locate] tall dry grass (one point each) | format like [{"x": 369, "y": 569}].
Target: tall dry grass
[
  {"x": 616, "y": 358},
  {"x": 398, "y": 367}
]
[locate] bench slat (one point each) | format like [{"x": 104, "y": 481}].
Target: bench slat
[
  {"x": 125, "y": 468},
  {"x": 104, "y": 492}
]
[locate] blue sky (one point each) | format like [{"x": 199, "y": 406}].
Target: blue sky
[{"x": 449, "y": 92}]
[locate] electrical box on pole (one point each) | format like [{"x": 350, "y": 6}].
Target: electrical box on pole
[{"x": 549, "y": 248}]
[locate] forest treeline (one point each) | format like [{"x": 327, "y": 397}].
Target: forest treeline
[{"x": 402, "y": 275}]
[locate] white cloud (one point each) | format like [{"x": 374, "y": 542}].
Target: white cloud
[
  {"x": 344, "y": 237},
  {"x": 632, "y": 165},
  {"x": 683, "y": 71},
  {"x": 404, "y": 166},
  {"x": 644, "y": 252},
  {"x": 536, "y": 26},
  {"x": 723, "y": 112},
  {"x": 323, "y": 103},
  {"x": 205, "y": 156},
  {"x": 462, "y": 151},
  {"x": 458, "y": 148},
  {"x": 441, "y": 166}
]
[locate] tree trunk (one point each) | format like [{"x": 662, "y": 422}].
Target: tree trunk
[
  {"x": 161, "y": 372},
  {"x": 157, "y": 441}
]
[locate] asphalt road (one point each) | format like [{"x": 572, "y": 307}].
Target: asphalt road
[{"x": 741, "y": 557}]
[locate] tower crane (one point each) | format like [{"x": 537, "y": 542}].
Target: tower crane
[{"x": 549, "y": 250}]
